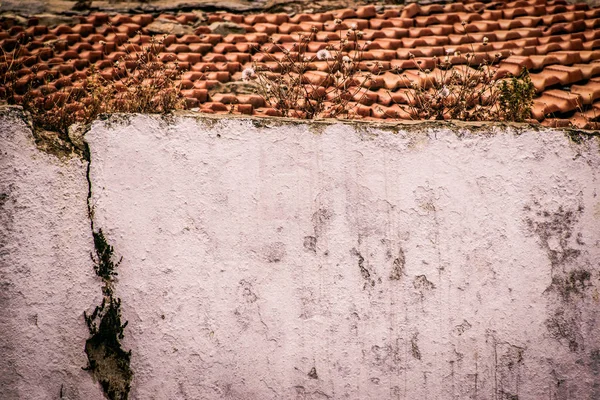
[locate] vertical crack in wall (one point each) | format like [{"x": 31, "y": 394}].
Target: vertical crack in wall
[{"x": 108, "y": 363}]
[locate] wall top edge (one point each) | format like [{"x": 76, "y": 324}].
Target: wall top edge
[{"x": 480, "y": 127}]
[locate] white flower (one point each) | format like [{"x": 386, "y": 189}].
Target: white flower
[
  {"x": 444, "y": 92},
  {"x": 449, "y": 51},
  {"x": 346, "y": 59},
  {"x": 248, "y": 74},
  {"x": 323, "y": 55},
  {"x": 485, "y": 40},
  {"x": 353, "y": 27}
]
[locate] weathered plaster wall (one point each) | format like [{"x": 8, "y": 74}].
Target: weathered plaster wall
[
  {"x": 272, "y": 260},
  {"x": 265, "y": 260},
  {"x": 46, "y": 280}
]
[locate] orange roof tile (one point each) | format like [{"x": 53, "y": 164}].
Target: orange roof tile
[{"x": 558, "y": 43}]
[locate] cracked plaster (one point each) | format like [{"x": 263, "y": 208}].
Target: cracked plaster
[{"x": 274, "y": 260}]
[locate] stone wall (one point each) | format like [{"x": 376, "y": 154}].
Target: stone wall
[{"x": 272, "y": 259}]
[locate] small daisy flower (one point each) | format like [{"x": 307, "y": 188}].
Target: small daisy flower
[
  {"x": 485, "y": 40},
  {"x": 353, "y": 27},
  {"x": 248, "y": 74},
  {"x": 444, "y": 92},
  {"x": 323, "y": 55}
]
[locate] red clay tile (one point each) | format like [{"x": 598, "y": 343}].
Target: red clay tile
[
  {"x": 201, "y": 48},
  {"x": 199, "y": 94},
  {"x": 267, "y": 28},
  {"x": 224, "y": 48},
  {"x": 280, "y": 18},
  {"x": 589, "y": 92},
  {"x": 255, "y": 100},
  {"x": 554, "y": 40},
  {"x": 434, "y": 30},
  {"x": 345, "y": 13},
  {"x": 221, "y": 76},
  {"x": 589, "y": 70},
  {"x": 91, "y": 56},
  {"x": 192, "y": 58},
  {"x": 555, "y": 102},
  {"x": 410, "y": 11},
  {"x": 296, "y": 19},
  {"x": 202, "y": 30},
  {"x": 366, "y": 11},
  {"x": 266, "y": 112},
  {"x": 60, "y": 30},
  {"x": 377, "y": 23},
  {"x": 142, "y": 19},
  {"x": 245, "y": 109},
  {"x": 395, "y": 33},
  {"x": 84, "y": 29},
  {"x": 210, "y": 38},
  {"x": 591, "y": 45},
  {"x": 215, "y": 106}
]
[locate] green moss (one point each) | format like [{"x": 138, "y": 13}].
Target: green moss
[
  {"x": 516, "y": 97},
  {"x": 107, "y": 361}
]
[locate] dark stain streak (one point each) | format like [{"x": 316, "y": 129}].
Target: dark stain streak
[
  {"x": 565, "y": 327},
  {"x": 422, "y": 283},
  {"x": 364, "y": 272},
  {"x": 398, "y": 266},
  {"x": 570, "y": 272},
  {"x": 416, "y": 353},
  {"x": 310, "y": 244}
]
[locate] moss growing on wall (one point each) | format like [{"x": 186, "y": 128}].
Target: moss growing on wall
[{"x": 107, "y": 361}]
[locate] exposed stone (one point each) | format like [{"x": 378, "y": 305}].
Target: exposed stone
[
  {"x": 162, "y": 26},
  {"x": 29, "y": 7},
  {"x": 76, "y": 132},
  {"x": 226, "y": 28},
  {"x": 53, "y": 20}
]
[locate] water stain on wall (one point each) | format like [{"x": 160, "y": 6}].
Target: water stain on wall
[
  {"x": 398, "y": 266},
  {"x": 571, "y": 272}
]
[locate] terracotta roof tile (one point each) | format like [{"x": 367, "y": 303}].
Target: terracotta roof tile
[
  {"x": 558, "y": 43},
  {"x": 588, "y": 92}
]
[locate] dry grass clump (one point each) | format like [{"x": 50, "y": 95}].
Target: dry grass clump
[
  {"x": 139, "y": 82},
  {"x": 293, "y": 86},
  {"x": 458, "y": 86}
]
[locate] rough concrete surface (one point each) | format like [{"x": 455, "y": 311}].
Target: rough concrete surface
[
  {"x": 270, "y": 260},
  {"x": 46, "y": 276}
]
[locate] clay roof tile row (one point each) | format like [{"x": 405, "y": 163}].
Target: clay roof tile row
[{"x": 558, "y": 43}]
